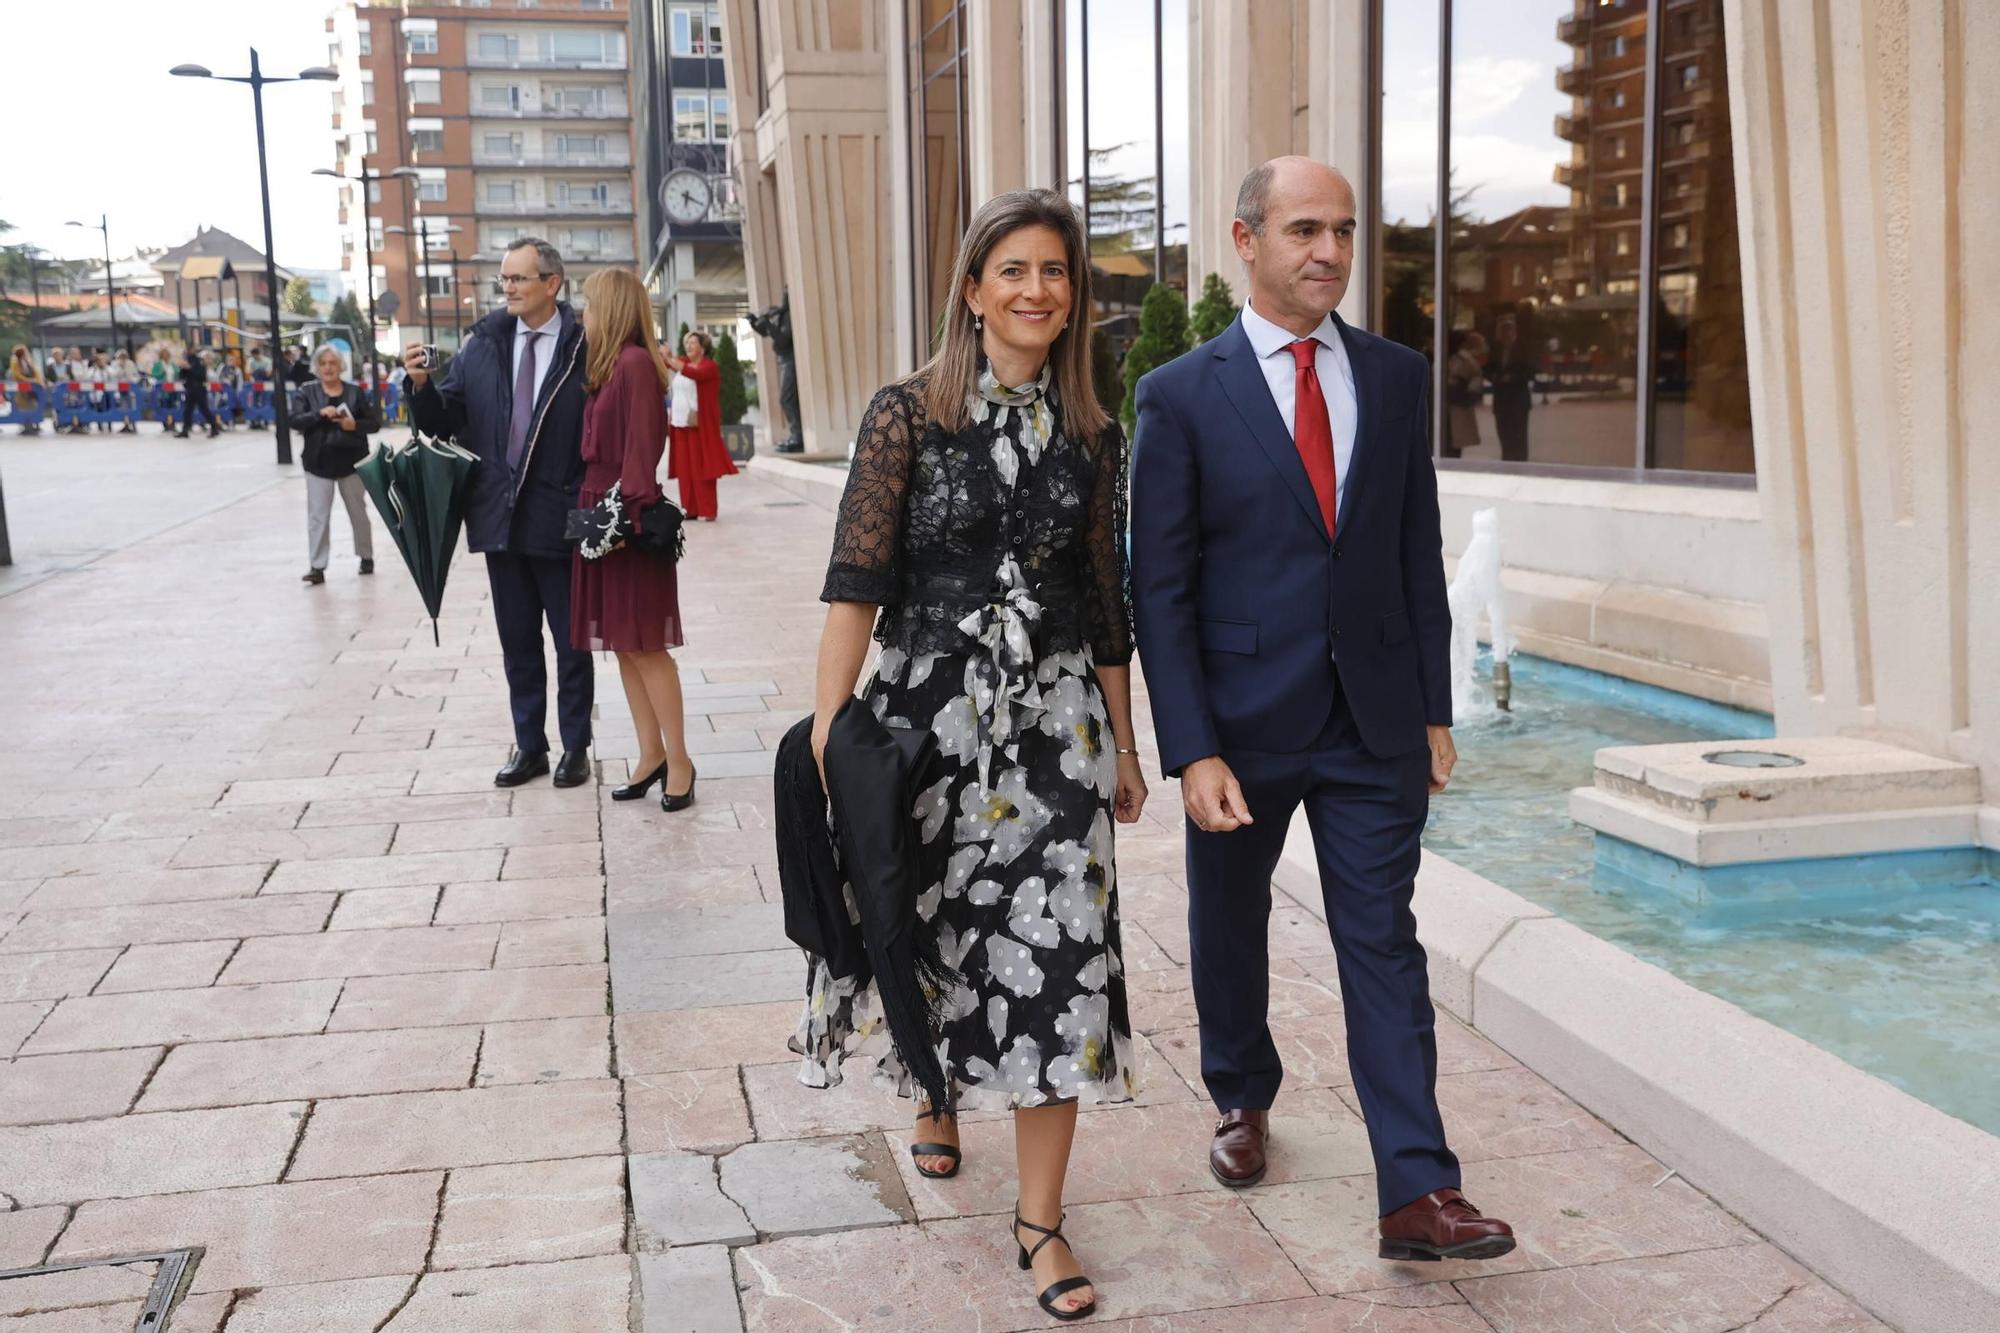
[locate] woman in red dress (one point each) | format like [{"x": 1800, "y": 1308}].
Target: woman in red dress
[
  {"x": 628, "y": 601},
  {"x": 699, "y": 456}
]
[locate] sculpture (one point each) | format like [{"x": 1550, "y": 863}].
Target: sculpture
[{"x": 776, "y": 324}]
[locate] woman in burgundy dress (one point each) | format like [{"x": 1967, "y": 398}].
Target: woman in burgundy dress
[
  {"x": 628, "y": 601},
  {"x": 699, "y": 455}
]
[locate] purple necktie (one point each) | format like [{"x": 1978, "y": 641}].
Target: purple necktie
[{"x": 524, "y": 405}]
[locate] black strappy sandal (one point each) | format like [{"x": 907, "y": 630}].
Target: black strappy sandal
[
  {"x": 919, "y": 1151},
  {"x": 1047, "y": 1300}
]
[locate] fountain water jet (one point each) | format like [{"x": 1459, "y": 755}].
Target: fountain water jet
[{"x": 1476, "y": 590}]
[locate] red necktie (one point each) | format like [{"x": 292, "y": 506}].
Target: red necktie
[{"x": 1311, "y": 430}]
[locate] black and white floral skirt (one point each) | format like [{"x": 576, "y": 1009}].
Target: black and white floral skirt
[{"x": 1027, "y": 904}]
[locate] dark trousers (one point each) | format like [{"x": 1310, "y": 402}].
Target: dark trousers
[
  {"x": 1367, "y": 819},
  {"x": 528, "y": 590},
  {"x": 193, "y": 403}
]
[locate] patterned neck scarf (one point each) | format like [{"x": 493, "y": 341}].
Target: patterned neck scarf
[{"x": 1000, "y": 678}]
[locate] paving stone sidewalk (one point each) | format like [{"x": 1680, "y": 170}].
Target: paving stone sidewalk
[{"x": 283, "y": 976}]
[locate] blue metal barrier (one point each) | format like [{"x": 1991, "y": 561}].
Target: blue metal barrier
[
  {"x": 28, "y": 413},
  {"x": 78, "y": 403}
]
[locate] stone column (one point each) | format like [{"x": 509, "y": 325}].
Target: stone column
[
  {"x": 1012, "y": 96},
  {"x": 821, "y": 221},
  {"x": 1866, "y": 177}
]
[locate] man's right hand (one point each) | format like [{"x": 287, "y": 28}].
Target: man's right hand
[
  {"x": 413, "y": 362},
  {"x": 1212, "y": 798}
]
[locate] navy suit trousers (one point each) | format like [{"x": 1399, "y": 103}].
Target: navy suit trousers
[
  {"x": 1367, "y": 819},
  {"x": 528, "y": 590}
]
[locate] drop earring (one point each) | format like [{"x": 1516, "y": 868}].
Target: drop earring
[{"x": 978, "y": 322}]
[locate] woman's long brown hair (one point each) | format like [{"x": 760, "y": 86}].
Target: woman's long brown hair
[
  {"x": 616, "y": 312},
  {"x": 952, "y": 374}
]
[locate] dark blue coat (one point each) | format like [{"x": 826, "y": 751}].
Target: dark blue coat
[
  {"x": 522, "y": 512},
  {"x": 1245, "y": 609}
]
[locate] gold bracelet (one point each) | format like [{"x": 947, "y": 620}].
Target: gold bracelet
[{"x": 1132, "y": 752}]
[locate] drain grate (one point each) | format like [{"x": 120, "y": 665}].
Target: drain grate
[{"x": 170, "y": 1276}]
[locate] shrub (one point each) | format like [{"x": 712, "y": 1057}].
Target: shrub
[{"x": 1163, "y": 335}]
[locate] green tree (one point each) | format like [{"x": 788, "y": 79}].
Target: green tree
[
  {"x": 1214, "y": 311},
  {"x": 298, "y": 298},
  {"x": 735, "y": 397},
  {"x": 1121, "y": 207},
  {"x": 1163, "y": 335},
  {"x": 348, "y": 314},
  {"x": 1104, "y": 370}
]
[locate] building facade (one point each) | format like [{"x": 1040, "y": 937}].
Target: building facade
[
  {"x": 689, "y": 219},
  {"x": 1697, "y": 312},
  {"x": 516, "y": 120}
]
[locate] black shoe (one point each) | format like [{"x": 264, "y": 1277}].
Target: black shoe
[
  {"x": 573, "y": 769},
  {"x": 367, "y": 566},
  {"x": 1047, "y": 1300},
  {"x": 180, "y": 435},
  {"x": 632, "y": 791},
  {"x": 313, "y": 576},
  {"x": 521, "y": 767},
  {"x": 919, "y": 1151},
  {"x": 670, "y": 802}
]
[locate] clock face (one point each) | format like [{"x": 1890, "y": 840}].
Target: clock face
[{"x": 685, "y": 195}]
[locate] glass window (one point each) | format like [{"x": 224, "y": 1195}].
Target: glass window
[
  {"x": 426, "y": 90},
  {"x": 501, "y": 97},
  {"x": 499, "y": 46},
  {"x": 718, "y": 118},
  {"x": 375, "y": 233},
  {"x": 367, "y": 44},
  {"x": 580, "y": 146},
  {"x": 501, "y": 192},
  {"x": 368, "y": 138},
  {"x": 437, "y": 284},
  {"x": 367, "y": 92},
  {"x": 422, "y": 43},
  {"x": 501, "y": 145},
  {"x": 1701, "y": 381},
  {"x": 427, "y": 141},
  {"x": 690, "y": 118},
  {"x": 1406, "y": 297},
  {"x": 696, "y": 30},
  {"x": 937, "y": 137},
  {"x": 580, "y": 46},
  {"x": 432, "y": 191},
  {"x": 374, "y": 192}
]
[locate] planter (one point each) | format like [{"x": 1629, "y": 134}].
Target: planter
[{"x": 741, "y": 441}]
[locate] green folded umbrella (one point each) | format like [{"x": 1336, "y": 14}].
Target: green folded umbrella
[{"x": 419, "y": 489}]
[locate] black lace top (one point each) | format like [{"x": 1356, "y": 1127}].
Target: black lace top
[{"x": 929, "y": 520}]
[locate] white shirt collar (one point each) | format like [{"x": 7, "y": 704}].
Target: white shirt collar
[
  {"x": 552, "y": 328},
  {"x": 1267, "y": 338}
]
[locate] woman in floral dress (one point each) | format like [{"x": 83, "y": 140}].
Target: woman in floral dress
[{"x": 985, "y": 518}]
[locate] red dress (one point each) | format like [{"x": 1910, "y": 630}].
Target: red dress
[
  {"x": 699, "y": 455},
  {"x": 627, "y": 601}
]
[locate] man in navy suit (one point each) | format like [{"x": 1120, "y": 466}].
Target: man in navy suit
[{"x": 1290, "y": 598}]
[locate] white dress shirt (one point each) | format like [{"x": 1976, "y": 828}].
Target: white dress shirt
[
  {"x": 1336, "y": 383},
  {"x": 545, "y": 350}
]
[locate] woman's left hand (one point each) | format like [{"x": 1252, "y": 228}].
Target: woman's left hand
[{"x": 1131, "y": 797}]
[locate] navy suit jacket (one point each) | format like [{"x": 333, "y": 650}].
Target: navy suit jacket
[
  {"x": 1248, "y": 615},
  {"x": 525, "y": 512}
]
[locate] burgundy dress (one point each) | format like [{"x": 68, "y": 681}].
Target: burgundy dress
[{"x": 627, "y": 601}]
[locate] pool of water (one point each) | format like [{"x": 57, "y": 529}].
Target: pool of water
[{"x": 1904, "y": 986}]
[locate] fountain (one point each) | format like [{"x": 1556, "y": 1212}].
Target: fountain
[{"x": 1475, "y": 590}]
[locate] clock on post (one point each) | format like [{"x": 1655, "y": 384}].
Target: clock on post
[{"x": 685, "y": 195}]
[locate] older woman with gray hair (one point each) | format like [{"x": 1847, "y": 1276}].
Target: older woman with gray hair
[{"x": 334, "y": 417}]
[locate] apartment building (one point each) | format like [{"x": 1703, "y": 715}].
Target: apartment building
[{"x": 510, "y": 120}]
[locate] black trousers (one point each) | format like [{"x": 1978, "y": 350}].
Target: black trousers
[
  {"x": 529, "y": 590},
  {"x": 197, "y": 402},
  {"x": 1367, "y": 817}
]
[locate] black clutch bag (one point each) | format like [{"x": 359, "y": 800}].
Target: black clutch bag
[{"x": 599, "y": 530}]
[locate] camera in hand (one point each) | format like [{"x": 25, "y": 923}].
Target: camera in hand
[{"x": 427, "y": 357}]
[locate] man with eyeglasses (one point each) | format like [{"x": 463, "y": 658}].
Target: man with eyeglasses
[{"x": 514, "y": 396}]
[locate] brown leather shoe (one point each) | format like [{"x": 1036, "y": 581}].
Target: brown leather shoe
[
  {"x": 1443, "y": 1225},
  {"x": 1236, "y": 1155}
]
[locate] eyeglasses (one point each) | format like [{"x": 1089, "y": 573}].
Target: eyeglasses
[{"x": 517, "y": 279}]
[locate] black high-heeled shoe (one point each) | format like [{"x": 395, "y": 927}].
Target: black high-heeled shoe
[
  {"x": 919, "y": 1151},
  {"x": 1047, "y": 1300},
  {"x": 632, "y": 791},
  {"x": 670, "y": 802}
]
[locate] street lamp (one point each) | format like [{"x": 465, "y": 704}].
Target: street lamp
[
  {"x": 368, "y": 179},
  {"x": 424, "y": 242},
  {"x": 256, "y": 78},
  {"x": 103, "y": 224}
]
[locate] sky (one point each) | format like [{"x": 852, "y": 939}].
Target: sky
[
  {"x": 1504, "y": 60},
  {"x": 101, "y": 128},
  {"x": 1121, "y": 99}
]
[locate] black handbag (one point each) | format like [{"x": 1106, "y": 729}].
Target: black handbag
[{"x": 657, "y": 529}]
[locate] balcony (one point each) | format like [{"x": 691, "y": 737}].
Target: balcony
[
  {"x": 1573, "y": 77},
  {"x": 607, "y": 108},
  {"x": 1573, "y": 30},
  {"x": 537, "y": 208},
  {"x": 1568, "y": 174},
  {"x": 475, "y": 61},
  {"x": 621, "y": 158},
  {"x": 1574, "y": 127}
]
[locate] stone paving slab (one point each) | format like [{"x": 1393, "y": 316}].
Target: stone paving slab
[{"x": 318, "y": 997}]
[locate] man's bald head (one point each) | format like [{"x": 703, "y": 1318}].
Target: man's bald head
[
  {"x": 1294, "y": 230},
  {"x": 1253, "y": 197}
]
